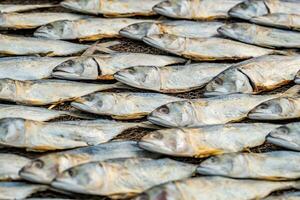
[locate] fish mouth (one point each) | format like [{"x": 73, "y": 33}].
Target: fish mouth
[
  {"x": 160, "y": 10},
  {"x": 213, "y": 93},
  {"x": 262, "y": 116},
  {"x": 282, "y": 143},
  {"x": 152, "y": 42},
  {"x": 59, "y": 184},
  {"x": 33, "y": 178},
  {"x": 205, "y": 171},
  {"x": 41, "y": 33},
  {"x": 64, "y": 73},
  {"x": 123, "y": 32},
  {"x": 78, "y": 104},
  {"x": 150, "y": 146},
  {"x": 159, "y": 121},
  {"x": 124, "y": 79}
]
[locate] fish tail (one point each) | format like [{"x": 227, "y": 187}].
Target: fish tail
[{"x": 103, "y": 47}]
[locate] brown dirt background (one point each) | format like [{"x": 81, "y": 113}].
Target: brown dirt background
[{"x": 125, "y": 45}]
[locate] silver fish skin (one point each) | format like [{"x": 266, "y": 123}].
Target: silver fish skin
[
  {"x": 112, "y": 8},
  {"x": 261, "y": 35},
  {"x": 207, "y": 140},
  {"x": 19, "y": 45},
  {"x": 90, "y": 29},
  {"x": 122, "y": 106},
  {"x": 266, "y": 166},
  {"x": 108, "y": 177},
  {"x": 286, "y": 136},
  {"x": 45, "y": 168},
  {"x": 285, "y": 196},
  {"x": 103, "y": 66},
  {"x": 34, "y": 20},
  {"x": 255, "y": 75},
  {"x": 281, "y": 108},
  {"x": 28, "y": 67},
  {"x": 206, "y": 49},
  {"x": 43, "y": 136},
  {"x": 19, "y": 190},
  {"x": 279, "y": 20},
  {"x": 195, "y": 9},
  {"x": 171, "y": 79},
  {"x": 43, "y": 92},
  {"x": 8, "y": 8},
  {"x": 31, "y": 113},
  {"x": 184, "y": 28},
  {"x": 216, "y": 188},
  {"x": 10, "y": 165},
  {"x": 255, "y": 8}
]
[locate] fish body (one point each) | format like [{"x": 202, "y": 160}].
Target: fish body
[
  {"x": 183, "y": 28},
  {"x": 261, "y": 35},
  {"x": 255, "y": 75},
  {"x": 206, "y": 49},
  {"x": 255, "y": 8},
  {"x": 112, "y": 8},
  {"x": 122, "y": 178},
  {"x": 19, "y": 45},
  {"x": 103, "y": 66},
  {"x": 43, "y": 136},
  {"x": 8, "y": 8},
  {"x": 45, "y": 168},
  {"x": 287, "y": 136},
  {"x": 207, "y": 140},
  {"x": 34, "y": 20},
  {"x": 19, "y": 190},
  {"x": 122, "y": 105},
  {"x": 171, "y": 79},
  {"x": 90, "y": 29},
  {"x": 216, "y": 188},
  {"x": 266, "y": 166},
  {"x": 10, "y": 165},
  {"x": 43, "y": 92},
  {"x": 195, "y": 9},
  {"x": 285, "y": 196}
]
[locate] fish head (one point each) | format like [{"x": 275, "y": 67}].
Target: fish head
[
  {"x": 54, "y": 30},
  {"x": 286, "y": 136},
  {"x": 8, "y": 88},
  {"x": 146, "y": 77},
  {"x": 84, "y": 6},
  {"x": 162, "y": 192},
  {"x": 216, "y": 165},
  {"x": 12, "y": 131},
  {"x": 175, "y": 114},
  {"x": 173, "y": 8},
  {"x": 237, "y": 30},
  {"x": 77, "y": 69},
  {"x": 273, "y": 109},
  {"x": 228, "y": 82},
  {"x": 166, "y": 42},
  {"x": 136, "y": 31},
  {"x": 248, "y": 9},
  {"x": 166, "y": 141}
]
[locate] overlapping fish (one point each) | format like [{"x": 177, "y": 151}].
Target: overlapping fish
[
  {"x": 10, "y": 165},
  {"x": 207, "y": 140},
  {"x": 122, "y": 178},
  {"x": 103, "y": 66},
  {"x": 265, "y": 166},
  {"x": 215, "y": 110},
  {"x": 43, "y": 136},
  {"x": 122, "y": 106},
  {"x": 171, "y": 79},
  {"x": 184, "y": 28},
  {"x": 261, "y": 35},
  {"x": 90, "y": 29},
  {"x": 112, "y": 8},
  {"x": 255, "y": 75},
  {"x": 216, "y": 188},
  {"x": 8, "y": 8},
  {"x": 285, "y": 196},
  {"x": 43, "y": 92},
  {"x": 195, "y": 9},
  {"x": 203, "y": 49},
  {"x": 45, "y": 168}
]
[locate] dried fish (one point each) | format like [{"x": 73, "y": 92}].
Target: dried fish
[
  {"x": 122, "y": 105},
  {"x": 122, "y": 178},
  {"x": 45, "y": 168},
  {"x": 184, "y": 28},
  {"x": 207, "y": 48},
  {"x": 103, "y": 66},
  {"x": 261, "y": 35},
  {"x": 195, "y": 9},
  {"x": 112, "y": 8},
  {"x": 285, "y": 196},
  {"x": 266, "y": 166},
  {"x": 42, "y": 136},
  {"x": 255, "y": 75},
  {"x": 8, "y": 8},
  {"x": 207, "y": 140},
  {"x": 10, "y": 165}
]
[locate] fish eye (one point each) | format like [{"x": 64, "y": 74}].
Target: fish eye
[
  {"x": 72, "y": 172},
  {"x": 38, "y": 164},
  {"x": 283, "y": 130},
  {"x": 164, "y": 109},
  {"x": 134, "y": 26},
  {"x": 213, "y": 159},
  {"x": 158, "y": 136},
  {"x": 99, "y": 103},
  {"x": 263, "y": 106},
  {"x": 219, "y": 81},
  {"x": 131, "y": 71},
  {"x": 243, "y": 6}
]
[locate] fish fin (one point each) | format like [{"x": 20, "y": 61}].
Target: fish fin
[
  {"x": 188, "y": 62},
  {"x": 103, "y": 47}
]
